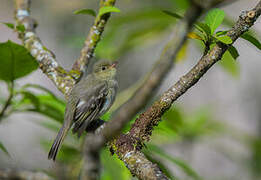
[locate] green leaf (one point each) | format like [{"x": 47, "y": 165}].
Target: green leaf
[
  {"x": 152, "y": 23},
  {"x": 27, "y": 95},
  {"x": 221, "y": 33},
  {"x": 69, "y": 154},
  {"x": 50, "y": 107},
  {"x": 233, "y": 52},
  {"x": 175, "y": 15},
  {"x": 46, "y": 105},
  {"x": 225, "y": 39},
  {"x": 168, "y": 130},
  {"x": 113, "y": 168},
  {"x": 16, "y": 61},
  {"x": 85, "y": 11},
  {"x": 230, "y": 65},
  {"x": 203, "y": 27},
  {"x": 20, "y": 28},
  {"x": 214, "y": 18},
  {"x": 41, "y": 88},
  {"x": 106, "y": 116},
  {"x": 180, "y": 163},
  {"x": 252, "y": 40},
  {"x": 9, "y": 25},
  {"x": 2, "y": 147},
  {"x": 107, "y": 9}
]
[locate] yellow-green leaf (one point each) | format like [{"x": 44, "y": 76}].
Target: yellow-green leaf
[
  {"x": 203, "y": 27},
  {"x": 107, "y": 9},
  {"x": 182, "y": 52},
  {"x": 85, "y": 11},
  {"x": 225, "y": 39},
  {"x": 193, "y": 35},
  {"x": 214, "y": 18},
  {"x": 230, "y": 65}
]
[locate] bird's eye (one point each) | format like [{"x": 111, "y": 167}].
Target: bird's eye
[{"x": 103, "y": 68}]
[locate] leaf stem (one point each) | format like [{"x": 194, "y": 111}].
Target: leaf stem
[
  {"x": 207, "y": 47},
  {"x": 8, "y": 101}
]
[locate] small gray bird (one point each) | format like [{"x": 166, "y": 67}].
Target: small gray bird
[{"x": 89, "y": 99}]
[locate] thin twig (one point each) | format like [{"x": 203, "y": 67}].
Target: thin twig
[
  {"x": 92, "y": 39},
  {"x": 8, "y": 101}
]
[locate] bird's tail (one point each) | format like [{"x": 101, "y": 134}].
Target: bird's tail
[{"x": 57, "y": 142}]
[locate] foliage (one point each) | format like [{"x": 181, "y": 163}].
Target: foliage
[
  {"x": 85, "y": 11},
  {"x": 107, "y": 9},
  {"x": 102, "y": 11},
  {"x": 2, "y": 147},
  {"x": 13, "y": 57},
  {"x": 129, "y": 31},
  {"x": 19, "y": 27},
  {"x": 252, "y": 40},
  {"x": 206, "y": 33}
]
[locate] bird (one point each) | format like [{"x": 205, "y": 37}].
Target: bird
[{"x": 89, "y": 99}]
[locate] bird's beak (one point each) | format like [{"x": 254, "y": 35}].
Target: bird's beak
[{"x": 114, "y": 65}]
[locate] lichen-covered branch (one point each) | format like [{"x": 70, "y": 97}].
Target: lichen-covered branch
[
  {"x": 128, "y": 146},
  {"x": 93, "y": 38},
  {"x": 135, "y": 160},
  {"x": 63, "y": 80},
  {"x": 142, "y": 128},
  {"x": 139, "y": 100},
  {"x": 154, "y": 79},
  {"x": 141, "y": 167}
]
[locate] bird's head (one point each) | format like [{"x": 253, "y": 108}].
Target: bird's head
[{"x": 105, "y": 69}]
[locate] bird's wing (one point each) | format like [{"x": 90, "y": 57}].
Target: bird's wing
[{"x": 88, "y": 106}]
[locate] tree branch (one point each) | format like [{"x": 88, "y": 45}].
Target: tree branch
[
  {"x": 141, "y": 130},
  {"x": 63, "y": 80},
  {"x": 139, "y": 100},
  {"x": 142, "y": 127},
  {"x": 141, "y": 167},
  {"x": 93, "y": 38},
  {"x": 154, "y": 79}
]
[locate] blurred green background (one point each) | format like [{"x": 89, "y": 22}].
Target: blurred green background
[{"x": 212, "y": 132}]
